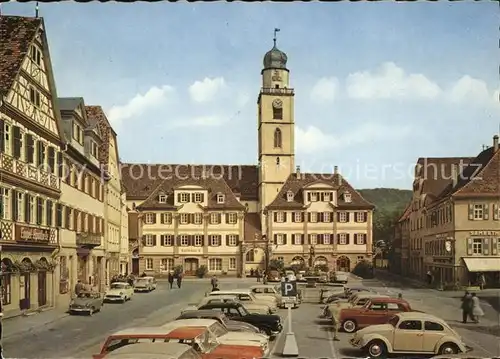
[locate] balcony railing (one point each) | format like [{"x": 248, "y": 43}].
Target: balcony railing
[
  {"x": 88, "y": 240},
  {"x": 30, "y": 172},
  {"x": 276, "y": 91}
]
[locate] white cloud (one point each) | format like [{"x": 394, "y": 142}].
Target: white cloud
[
  {"x": 206, "y": 90},
  {"x": 469, "y": 89},
  {"x": 202, "y": 121},
  {"x": 139, "y": 104},
  {"x": 312, "y": 139},
  {"x": 325, "y": 90},
  {"x": 390, "y": 81}
]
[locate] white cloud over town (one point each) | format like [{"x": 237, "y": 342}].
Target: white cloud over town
[
  {"x": 207, "y": 89},
  {"x": 325, "y": 90}
]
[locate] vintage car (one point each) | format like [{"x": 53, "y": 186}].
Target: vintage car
[
  {"x": 270, "y": 290},
  {"x": 86, "y": 302},
  {"x": 273, "y": 276},
  {"x": 199, "y": 338},
  {"x": 409, "y": 333},
  {"x": 376, "y": 311},
  {"x": 119, "y": 292},
  {"x": 163, "y": 350},
  {"x": 246, "y": 296},
  {"x": 144, "y": 284},
  {"x": 223, "y": 335},
  {"x": 356, "y": 300},
  {"x": 268, "y": 324},
  {"x": 251, "y": 307},
  {"x": 341, "y": 277},
  {"x": 231, "y": 325}
]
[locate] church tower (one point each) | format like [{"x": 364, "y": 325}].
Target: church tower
[{"x": 275, "y": 125}]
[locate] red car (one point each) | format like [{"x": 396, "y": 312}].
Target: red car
[{"x": 375, "y": 311}]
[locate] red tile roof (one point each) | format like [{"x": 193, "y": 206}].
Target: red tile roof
[{"x": 16, "y": 35}]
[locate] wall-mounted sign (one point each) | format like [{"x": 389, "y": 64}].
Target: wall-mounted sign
[
  {"x": 191, "y": 250},
  {"x": 32, "y": 234},
  {"x": 485, "y": 233}
]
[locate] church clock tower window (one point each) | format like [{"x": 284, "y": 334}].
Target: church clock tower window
[
  {"x": 277, "y": 138},
  {"x": 277, "y": 109}
]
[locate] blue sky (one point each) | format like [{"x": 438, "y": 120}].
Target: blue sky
[{"x": 377, "y": 84}]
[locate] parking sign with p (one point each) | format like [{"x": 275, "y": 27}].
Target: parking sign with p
[{"x": 288, "y": 289}]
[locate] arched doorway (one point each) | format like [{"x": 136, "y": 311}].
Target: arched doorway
[
  {"x": 6, "y": 294},
  {"x": 191, "y": 265},
  {"x": 298, "y": 261},
  {"x": 42, "y": 282},
  {"x": 25, "y": 285},
  {"x": 250, "y": 256},
  {"x": 135, "y": 261},
  {"x": 320, "y": 262},
  {"x": 343, "y": 264}
]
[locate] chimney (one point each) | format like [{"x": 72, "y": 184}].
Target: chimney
[
  {"x": 495, "y": 143},
  {"x": 297, "y": 171},
  {"x": 335, "y": 170},
  {"x": 454, "y": 174}
]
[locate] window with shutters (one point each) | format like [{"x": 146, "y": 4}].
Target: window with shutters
[
  {"x": 18, "y": 142},
  {"x": 214, "y": 240},
  {"x": 343, "y": 217},
  {"x": 478, "y": 212},
  {"x": 19, "y": 210},
  {"x": 184, "y": 240},
  {"x": 162, "y": 198},
  {"x": 198, "y": 197},
  {"x": 149, "y": 240},
  {"x": 184, "y": 218},
  {"x": 280, "y": 217},
  {"x": 360, "y": 238},
  {"x": 327, "y": 196},
  {"x": 51, "y": 159},
  {"x": 232, "y": 218},
  {"x": 232, "y": 240},
  {"x": 198, "y": 218},
  {"x": 327, "y": 239},
  {"x": 280, "y": 239},
  {"x": 166, "y": 218},
  {"x": 35, "y": 96},
  {"x": 6, "y": 140},
  {"x": 149, "y": 218},
  {"x": 477, "y": 246},
  {"x": 220, "y": 198},
  {"x": 5, "y": 202},
  {"x": 40, "y": 153},
  {"x": 313, "y": 217},
  {"x": 30, "y": 149},
  {"x": 214, "y": 218},
  {"x": 215, "y": 264},
  {"x": 149, "y": 263},
  {"x": 360, "y": 217},
  {"x": 342, "y": 238},
  {"x": 327, "y": 217},
  {"x": 35, "y": 55},
  {"x": 313, "y": 239},
  {"x": 167, "y": 265},
  {"x": 167, "y": 240},
  {"x": 198, "y": 240},
  {"x": 232, "y": 263},
  {"x": 49, "y": 214},
  {"x": 184, "y": 197}
]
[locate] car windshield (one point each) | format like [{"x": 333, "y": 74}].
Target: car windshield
[
  {"x": 84, "y": 295},
  {"x": 394, "y": 321},
  {"x": 118, "y": 286},
  {"x": 224, "y": 319},
  {"x": 142, "y": 281},
  {"x": 243, "y": 311},
  {"x": 218, "y": 329}
]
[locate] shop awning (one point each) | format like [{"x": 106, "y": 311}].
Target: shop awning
[{"x": 482, "y": 264}]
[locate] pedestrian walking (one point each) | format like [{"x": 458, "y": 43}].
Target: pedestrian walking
[
  {"x": 336, "y": 327},
  {"x": 170, "y": 279},
  {"x": 258, "y": 275},
  {"x": 477, "y": 311},
  {"x": 466, "y": 307},
  {"x": 179, "y": 280},
  {"x": 214, "y": 282},
  {"x": 79, "y": 287},
  {"x": 215, "y": 289},
  {"x": 482, "y": 281}
]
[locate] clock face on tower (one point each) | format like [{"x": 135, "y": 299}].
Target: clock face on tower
[{"x": 277, "y": 103}]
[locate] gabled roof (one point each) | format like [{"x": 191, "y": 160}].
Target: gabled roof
[
  {"x": 141, "y": 179},
  {"x": 297, "y": 181},
  {"x": 16, "y": 35},
  {"x": 69, "y": 103},
  {"x": 406, "y": 213}
]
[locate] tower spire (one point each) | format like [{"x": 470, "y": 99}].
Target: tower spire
[
  {"x": 36, "y": 9},
  {"x": 276, "y": 30}
]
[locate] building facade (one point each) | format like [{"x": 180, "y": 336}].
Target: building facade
[
  {"x": 453, "y": 231},
  {"x": 232, "y": 219}
]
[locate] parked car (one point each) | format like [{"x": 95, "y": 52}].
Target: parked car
[
  {"x": 154, "y": 351},
  {"x": 357, "y": 300},
  {"x": 264, "y": 291},
  {"x": 86, "y": 302},
  {"x": 145, "y": 284},
  {"x": 376, "y": 311},
  {"x": 225, "y": 336},
  {"x": 273, "y": 276},
  {"x": 410, "y": 333},
  {"x": 119, "y": 292},
  {"x": 231, "y": 325},
  {"x": 258, "y": 308},
  {"x": 341, "y": 277},
  {"x": 268, "y": 324},
  {"x": 246, "y": 296},
  {"x": 199, "y": 338}
]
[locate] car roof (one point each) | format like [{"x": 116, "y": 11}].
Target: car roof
[
  {"x": 194, "y": 322},
  {"x": 223, "y": 304},
  {"x": 152, "y": 350},
  {"x": 119, "y": 283},
  {"x": 370, "y": 295},
  {"x": 235, "y": 291},
  {"x": 386, "y": 299},
  {"x": 419, "y": 316},
  {"x": 213, "y": 295},
  {"x": 202, "y": 313},
  {"x": 174, "y": 331},
  {"x": 262, "y": 286}
]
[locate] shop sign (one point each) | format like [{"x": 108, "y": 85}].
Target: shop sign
[
  {"x": 191, "y": 250},
  {"x": 32, "y": 234},
  {"x": 485, "y": 233}
]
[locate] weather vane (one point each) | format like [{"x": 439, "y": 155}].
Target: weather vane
[{"x": 276, "y": 30}]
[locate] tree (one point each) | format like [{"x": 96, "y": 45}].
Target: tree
[{"x": 276, "y": 264}]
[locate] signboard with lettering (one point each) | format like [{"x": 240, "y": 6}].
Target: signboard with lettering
[
  {"x": 485, "y": 233},
  {"x": 32, "y": 234},
  {"x": 191, "y": 250}
]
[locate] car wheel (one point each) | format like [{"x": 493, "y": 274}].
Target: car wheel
[
  {"x": 91, "y": 311},
  {"x": 349, "y": 326},
  {"x": 376, "y": 349},
  {"x": 448, "y": 348}
]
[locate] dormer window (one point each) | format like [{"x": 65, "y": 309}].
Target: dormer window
[
  {"x": 162, "y": 198},
  {"x": 289, "y": 196},
  {"x": 327, "y": 196},
  {"x": 347, "y": 197},
  {"x": 220, "y": 198}
]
